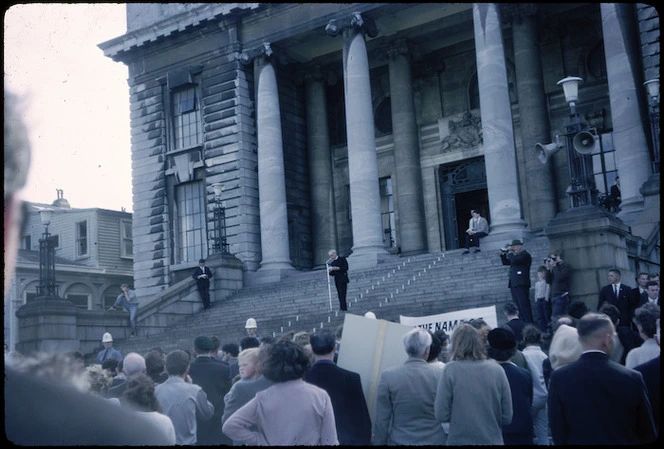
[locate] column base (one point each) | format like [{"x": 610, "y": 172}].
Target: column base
[
  {"x": 365, "y": 257},
  {"x": 268, "y": 273},
  {"x": 631, "y": 208}
]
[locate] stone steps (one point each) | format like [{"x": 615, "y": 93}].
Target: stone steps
[{"x": 439, "y": 282}]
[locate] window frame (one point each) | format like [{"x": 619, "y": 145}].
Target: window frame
[
  {"x": 123, "y": 238},
  {"x": 79, "y": 238}
]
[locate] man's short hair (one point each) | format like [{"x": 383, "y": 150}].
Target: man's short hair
[
  {"x": 611, "y": 311},
  {"x": 110, "y": 364},
  {"x": 416, "y": 342},
  {"x": 615, "y": 270},
  {"x": 249, "y": 342},
  {"x": 510, "y": 308},
  {"x": 557, "y": 253},
  {"x": 653, "y": 275},
  {"x": 645, "y": 317},
  {"x": 154, "y": 362},
  {"x": 231, "y": 348},
  {"x": 177, "y": 362},
  {"x": 591, "y": 323},
  {"x": 203, "y": 344},
  {"x": 322, "y": 342},
  {"x": 133, "y": 363},
  {"x": 577, "y": 309},
  {"x": 651, "y": 284},
  {"x": 531, "y": 335}
]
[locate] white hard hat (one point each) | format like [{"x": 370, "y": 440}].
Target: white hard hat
[
  {"x": 251, "y": 324},
  {"x": 106, "y": 338},
  {"x": 370, "y": 315}
]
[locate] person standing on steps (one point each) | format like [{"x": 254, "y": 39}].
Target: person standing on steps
[
  {"x": 129, "y": 301},
  {"x": 519, "y": 261},
  {"x": 202, "y": 275},
  {"x": 478, "y": 227},
  {"x": 338, "y": 267}
]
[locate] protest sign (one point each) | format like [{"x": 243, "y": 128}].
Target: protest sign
[
  {"x": 369, "y": 346},
  {"x": 449, "y": 321}
]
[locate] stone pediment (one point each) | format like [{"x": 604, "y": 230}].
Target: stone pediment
[{"x": 460, "y": 131}]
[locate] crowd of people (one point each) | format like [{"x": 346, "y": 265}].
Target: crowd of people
[{"x": 598, "y": 382}]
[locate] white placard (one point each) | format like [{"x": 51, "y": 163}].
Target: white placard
[{"x": 450, "y": 320}]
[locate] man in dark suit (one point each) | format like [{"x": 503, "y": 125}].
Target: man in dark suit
[
  {"x": 651, "y": 372},
  {"x": 212, "y": 376},
  {"x": 615, "y": 196},
  {"x": 338, "y": 267},
  {"x": 514, "y": 322},
  {"x": 202, "y": 275},
  {"x": 638, "y": 293},
  {"x": 618, "y": 294},
  {"x": 595, "y": 400},
  {"x": 345, "y": 389},
  {"x": 519, "y": 261}
]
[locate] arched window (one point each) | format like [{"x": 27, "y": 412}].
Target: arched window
[{"x": 383, "y": 117}]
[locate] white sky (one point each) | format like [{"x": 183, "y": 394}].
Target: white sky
[{"x": 77, "y": 101}]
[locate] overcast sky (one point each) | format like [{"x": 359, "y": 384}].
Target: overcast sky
[{"x": 77, "y": 101}]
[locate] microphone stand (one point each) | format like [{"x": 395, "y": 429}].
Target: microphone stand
[{"x": 329, "y": 289}]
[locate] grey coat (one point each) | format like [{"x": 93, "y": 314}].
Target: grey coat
[{"x": 404, "y": 413}]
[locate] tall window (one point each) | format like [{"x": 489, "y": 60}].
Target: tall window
[
  {"x": 27, "y": 242},
  {"x": 605, "y": 169},
  {"x": 387, "y": 213},
  {"x": 186, "y": 119},
  {"x": 127, "y": 245},
  {"x": 81, "y": 238},
  {"x": 190, "y": 203}
]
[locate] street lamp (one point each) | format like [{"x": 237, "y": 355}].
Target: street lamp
[
  {"x": 653, "y": 92},
  {"x": 47, "y": 285},
  {"x": 581, "y": 142},
  {"x": 220, "y": 243}
]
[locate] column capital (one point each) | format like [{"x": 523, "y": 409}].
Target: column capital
[
  {"x": 264, "y": 50},
  {"x": 401, "y": 47},
  {"x": 354, "y": 21}
]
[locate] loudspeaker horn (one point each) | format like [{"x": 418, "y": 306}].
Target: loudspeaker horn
[
  {"x": 584, "y": 142},
  {"x": 544, "y": 152}
]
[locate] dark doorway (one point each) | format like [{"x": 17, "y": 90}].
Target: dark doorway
[{"x": 463, "y": 187}]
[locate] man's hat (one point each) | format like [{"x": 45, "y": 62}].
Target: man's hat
[
  {"x": 106, "y": 338},
  {"x": 516, "y": 242},
  {"x": 203, "y": 343},
  {"x": 501, "y": 338},
  {"x": 251, "y": 324}
]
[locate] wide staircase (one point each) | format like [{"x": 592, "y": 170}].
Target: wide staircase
[{"x": 420, "y": 285}]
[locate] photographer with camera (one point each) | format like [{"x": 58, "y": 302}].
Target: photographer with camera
[
  {"x": 560, "y": 278},
  {"x": 519, "y": 261}
]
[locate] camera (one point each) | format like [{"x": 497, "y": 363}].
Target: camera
[{"x": 505, "y": 249}]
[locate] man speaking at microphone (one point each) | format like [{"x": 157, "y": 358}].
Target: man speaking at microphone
[{"x": 338, "y": 267}]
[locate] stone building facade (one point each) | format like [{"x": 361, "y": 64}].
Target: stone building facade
[{"x": 374, "y": 128}]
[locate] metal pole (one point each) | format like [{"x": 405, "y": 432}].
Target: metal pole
[{"x": 329, "y": 288}]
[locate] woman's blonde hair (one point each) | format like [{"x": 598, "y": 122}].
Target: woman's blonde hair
[
  {"x": 467, "y": 344},
  {"x": 249, "y": 355}
]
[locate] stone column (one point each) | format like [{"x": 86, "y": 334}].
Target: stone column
[
  {"x": 626, "y": 93},
  {"x": 320, "y": 167},
  {"x": 498, "y": 133},
  {"x": 540, "y": 191},
  {"x": 362, "y": 163},
  {"x": 271, "y": 173},
  {"x": 410, "y": 203}
]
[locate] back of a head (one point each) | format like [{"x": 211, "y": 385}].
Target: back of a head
[
  {"x": 577, "y": 309},
  {"x": 322, "y": 342},
  {"x": 301, "y": 338},
  {"x": 435, "y": 348},
  {"x": 154, "y": 362},
  {"x": 231, "y": 348},
  {"x": 177, "y": 362},
  {"x": 249, "y": 342},
  {"x": 133, "y": 363},
  {"x": 531, "y": 335},
  {"x": 510, "y": 309},
  {"x": 203, "y": 344},
  {"x": 611, "y": 311},
  {"x": 646, "y": 318},
  {"x": 591, "y": 326},
  {"x": 250, "y": 355},
  {"x": 285, "y": 361},
  {"x": 140, "y": 393},
  {"x": 467, "y": 344},
  {"x": 110, "y": 364},
  {"x": 416, "y": 342}
]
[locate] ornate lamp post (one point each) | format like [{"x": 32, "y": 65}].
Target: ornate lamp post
[
  {"x": 653, "y": 93},
  {"x": 580, "y": 145},
  {"x": 47, "y": 285},
  {"x": 220, "y": 243}
]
